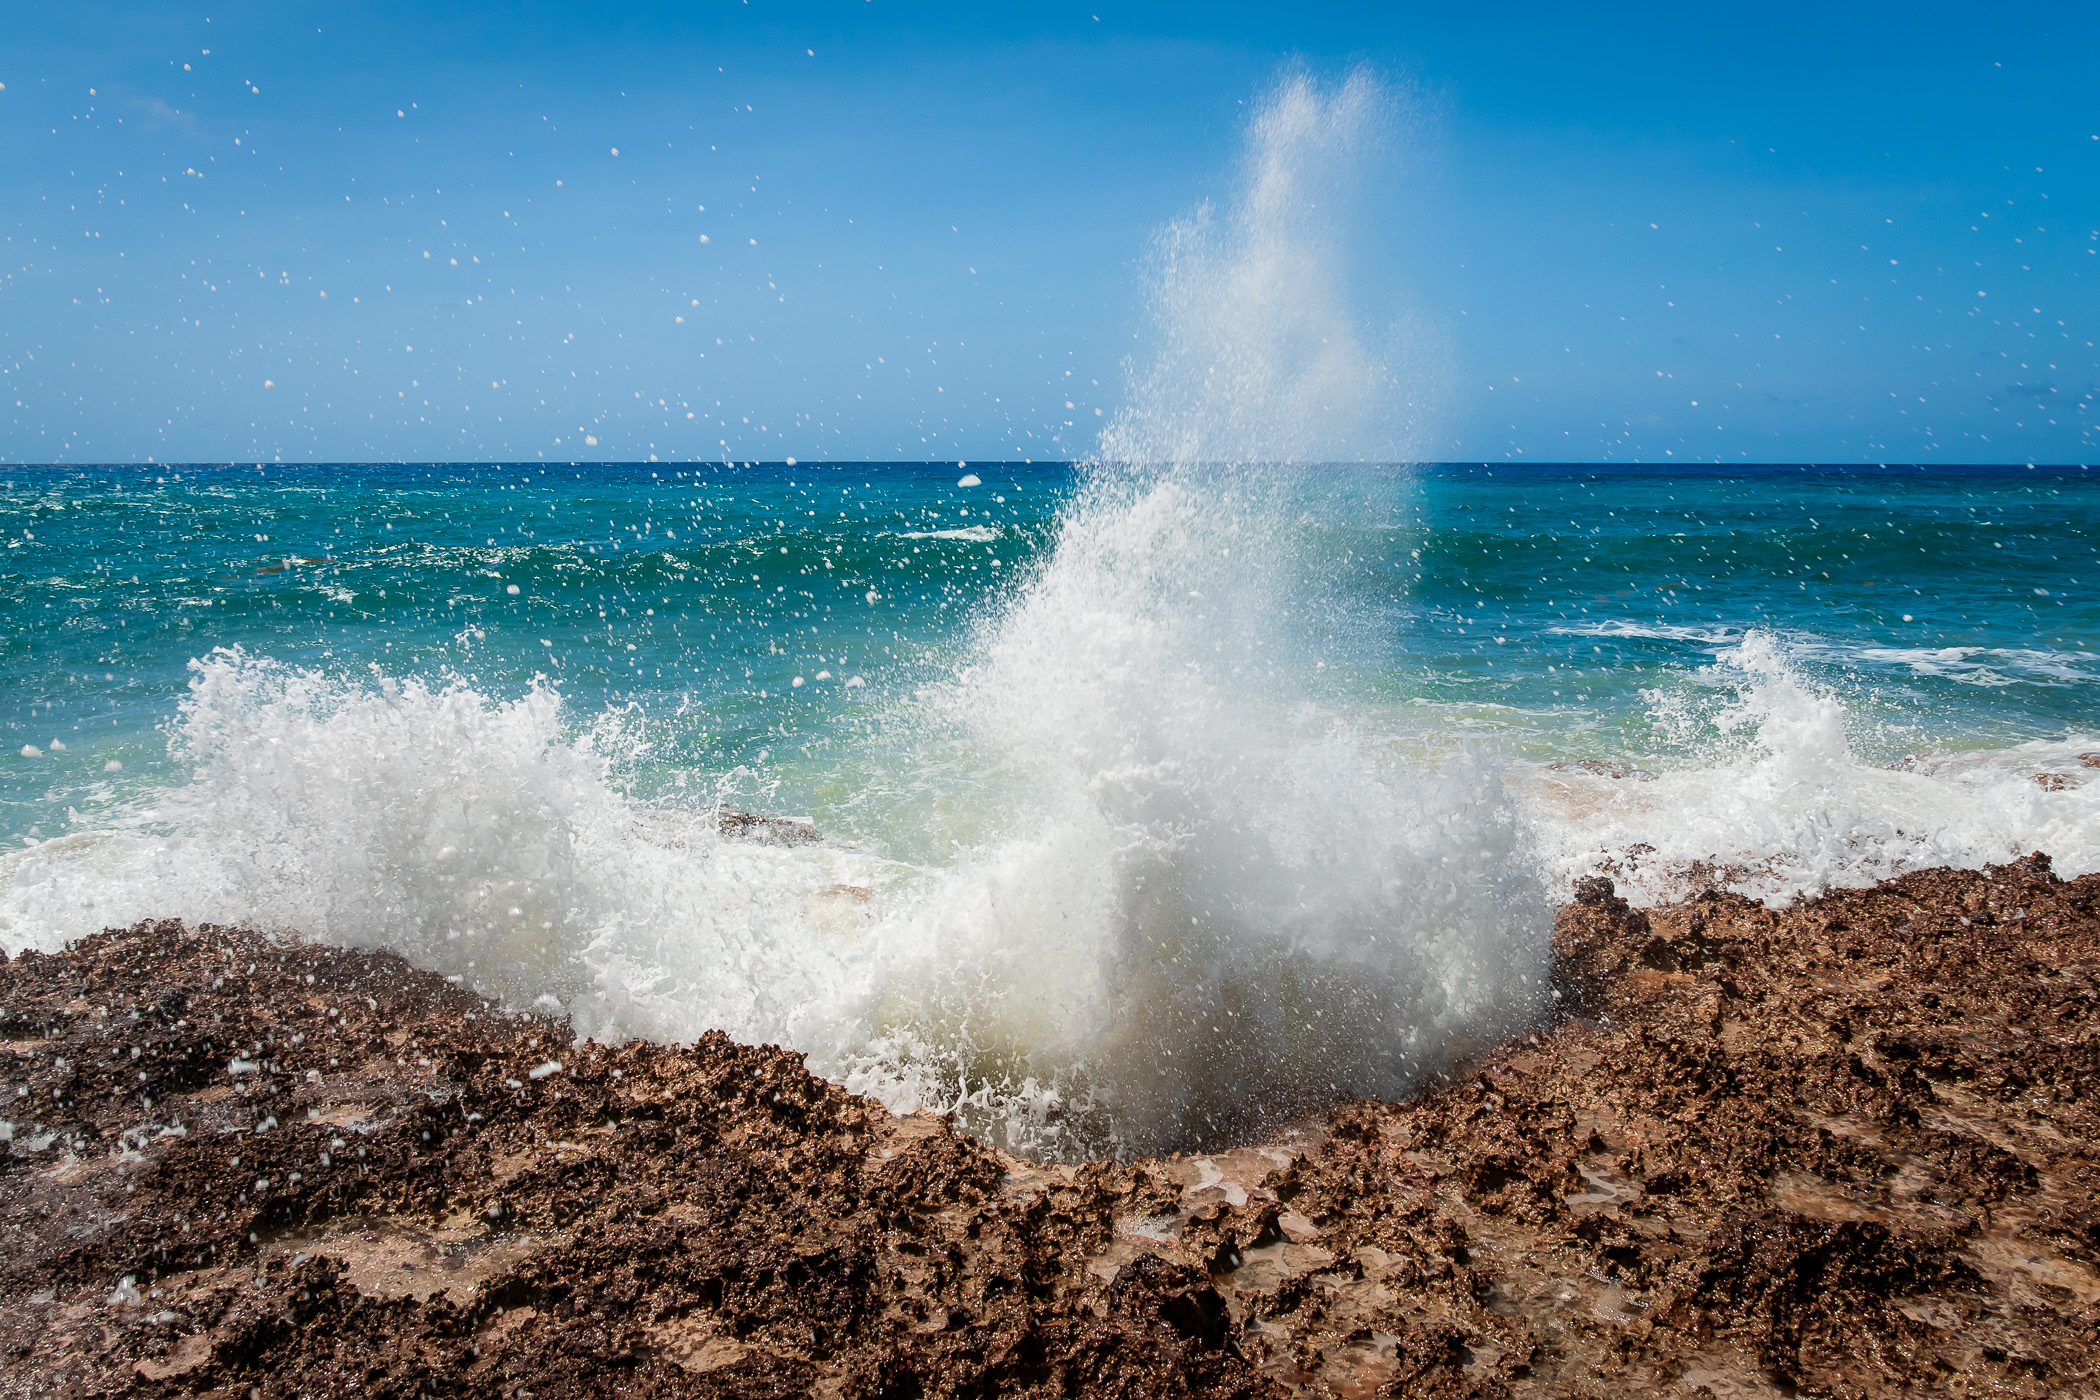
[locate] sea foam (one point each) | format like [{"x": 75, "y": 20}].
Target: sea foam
[{"x": 1762, "y": 783}]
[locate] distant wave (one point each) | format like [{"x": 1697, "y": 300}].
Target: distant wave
[
  {"x": 1973, "y": 665},
  {"x": 976, "y": 534},
  {"x": 1658, "y": 631}
]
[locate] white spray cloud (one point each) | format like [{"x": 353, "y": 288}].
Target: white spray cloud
[
  {"x": 1257, "y": 351},
  {"x": 1186, "y": 892},
  {"x": 1219, "y": 897}
]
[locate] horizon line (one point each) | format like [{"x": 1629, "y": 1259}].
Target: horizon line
[{"x": 1010, "y": 462}]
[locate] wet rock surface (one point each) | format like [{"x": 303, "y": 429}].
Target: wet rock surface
[{"x": 1847, "y": 1148}]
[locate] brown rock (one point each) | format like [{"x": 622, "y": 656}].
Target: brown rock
[{"x": 1847, "y": 1148}]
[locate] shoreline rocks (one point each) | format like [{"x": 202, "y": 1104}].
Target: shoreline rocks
[{"x": 1847, "y": 1148}]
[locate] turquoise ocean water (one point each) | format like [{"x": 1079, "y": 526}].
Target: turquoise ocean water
[
  {"x": 1572, "y": 614},
  {"x": 1133, "y": 790},
  {"x": 1258, "y": 769}
]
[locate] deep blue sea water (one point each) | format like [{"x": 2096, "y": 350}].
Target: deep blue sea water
[{"x": 482, "y": 713}]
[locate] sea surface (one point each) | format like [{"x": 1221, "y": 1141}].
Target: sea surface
[
  {"x": 1094, "y": 757},
  {"x": 754, "y": 624}
]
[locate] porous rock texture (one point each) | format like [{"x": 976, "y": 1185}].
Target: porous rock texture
[{"x": 1846, "y": 1148}]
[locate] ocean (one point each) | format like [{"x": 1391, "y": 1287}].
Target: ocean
[{"x": 1280, "y": 771}]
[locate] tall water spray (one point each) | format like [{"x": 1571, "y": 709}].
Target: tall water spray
[
  {"x": 1256, "y": 352},
  {"x": 1222, "y": 896},
  {"x": 1152, "y": 877}
]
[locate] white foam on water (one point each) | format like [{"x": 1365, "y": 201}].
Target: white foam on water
[
  {"x": 977, "y": 534},
  {"x": 1216, "y": 898},
  {"x": 1765, "y": 790},
  {"x": 1989, "y": 666},
  {"x": 1651, "y": 631},
  {"x": 1972, "y": 665}
]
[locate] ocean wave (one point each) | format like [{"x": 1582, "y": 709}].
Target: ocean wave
[
  {"x": 1973, "y": 664},
  {"x": 975, "y": 534},
  {"x": 1650, "y": 631},
  {"x": 1765, "y": 790},
  {"x": 1990, "y": 666}
]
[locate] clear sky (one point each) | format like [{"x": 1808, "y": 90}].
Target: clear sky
[{"x": 867, "y": 229}]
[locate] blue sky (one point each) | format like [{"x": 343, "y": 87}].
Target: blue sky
[{"x": 1832, "y": 233}]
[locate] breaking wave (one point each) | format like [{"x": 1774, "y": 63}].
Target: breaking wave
[{"x": 1764, "y": 782}]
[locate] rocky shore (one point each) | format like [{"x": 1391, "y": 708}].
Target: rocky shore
[{"x": 1849, "y": 1148}]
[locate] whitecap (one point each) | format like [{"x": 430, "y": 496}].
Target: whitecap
[
  {"x": 1764, "y": 789},
  {"x": 975, "y": 534}
]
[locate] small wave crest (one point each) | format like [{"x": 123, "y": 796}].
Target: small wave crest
[
  {"x": 1762, "y": 787},
  {"x": 1970, "y": 665},
  {"x": 975, "y": 534}
]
